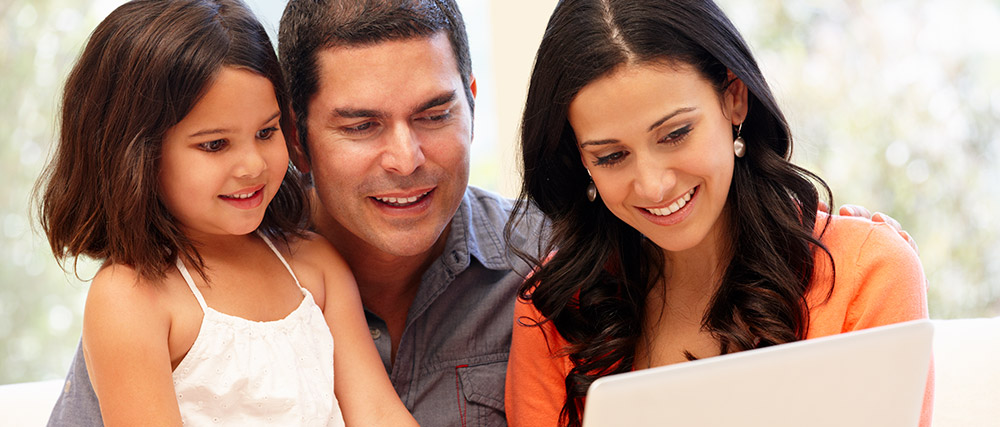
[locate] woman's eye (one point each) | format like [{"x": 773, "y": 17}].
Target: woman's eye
[
  {"x": 266, "y": 133},
  {"x": 213, "y": 146},
  {"x": 610, "y": 159},
  {"x": 677, "y": 136}
]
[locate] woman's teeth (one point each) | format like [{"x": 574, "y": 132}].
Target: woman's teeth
[{"x": 674, "y": 207}]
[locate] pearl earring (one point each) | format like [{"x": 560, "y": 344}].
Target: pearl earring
[
  {"x": 591, "y": 191},
  {"x": 739, "y": 145},
  {"x": 591, "y": 187}
]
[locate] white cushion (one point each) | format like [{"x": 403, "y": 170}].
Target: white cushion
[
  {"x": 28, "y": 404},
  {"x": 967, "y": 372}
]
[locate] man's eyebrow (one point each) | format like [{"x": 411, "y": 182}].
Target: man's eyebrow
[
  {"x": 441, "y": 99},
  {"x": 360, "y": 113},
  {"x": 357, "y": 113}
]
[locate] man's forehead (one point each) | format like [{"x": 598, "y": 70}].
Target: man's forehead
[{"x": 396, "y": 74}]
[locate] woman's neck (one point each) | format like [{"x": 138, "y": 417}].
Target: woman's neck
[{"x": 677, "y": 304}]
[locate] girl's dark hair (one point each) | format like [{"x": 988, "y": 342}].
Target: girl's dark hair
[
  {"x": 594, "y": 287},
  {"x": 143, "y": 69}
]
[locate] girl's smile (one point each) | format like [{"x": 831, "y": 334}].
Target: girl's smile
[{"x": 247, "y": 198}]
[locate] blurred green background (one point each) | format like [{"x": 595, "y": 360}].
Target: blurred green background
[{"x": 895, "y": 103}]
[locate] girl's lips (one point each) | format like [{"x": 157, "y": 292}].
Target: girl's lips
[{"x": 245, "y": 199}]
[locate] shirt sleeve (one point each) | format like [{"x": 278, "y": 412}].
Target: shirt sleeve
[
  {"x": 892, "y": 289},
  {"x": 536, "y": 374}
]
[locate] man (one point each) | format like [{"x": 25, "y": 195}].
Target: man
[{"x": 383, "y": 94}]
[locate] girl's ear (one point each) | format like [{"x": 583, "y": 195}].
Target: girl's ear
[
  {"x": 735, "y": 100},
  {"x": 296, "y": 152}
]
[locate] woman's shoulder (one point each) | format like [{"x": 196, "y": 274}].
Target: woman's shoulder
[
  {"x": 846, "y": 236},
  {"x": 877, "y": 279}
]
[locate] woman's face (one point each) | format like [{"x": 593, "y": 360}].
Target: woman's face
[{"x": 658, "y": 142}]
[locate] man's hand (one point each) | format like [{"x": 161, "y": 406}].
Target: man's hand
[{"x": 862, "y": 212}]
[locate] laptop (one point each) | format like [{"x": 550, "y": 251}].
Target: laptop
[{"x": 872, "y": 377}]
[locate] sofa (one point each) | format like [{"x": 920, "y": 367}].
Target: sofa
[{"x": 967, "y": 380}]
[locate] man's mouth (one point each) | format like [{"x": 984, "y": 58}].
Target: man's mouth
[{"x": 401, "y": 202}]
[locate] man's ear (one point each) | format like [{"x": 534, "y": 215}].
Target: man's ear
[
  {"x": 297, "y": 153},
  {"x": 736, "y": 99}
]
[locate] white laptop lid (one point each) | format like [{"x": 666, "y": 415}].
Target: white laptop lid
[{"x": 873, "y": 377}]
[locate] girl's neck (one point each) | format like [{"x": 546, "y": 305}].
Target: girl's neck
[{"x": 221, "y": 245}]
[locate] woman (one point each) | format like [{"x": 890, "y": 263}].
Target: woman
[{"x": 706, "y": 240}]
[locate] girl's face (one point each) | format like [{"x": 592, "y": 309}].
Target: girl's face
[
  {"x": 223, "y": 163},
  {"x": 658, "y": 142}
]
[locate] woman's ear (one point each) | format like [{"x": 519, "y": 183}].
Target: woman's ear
[
  {"x": 735, "y": 99},
  {"x": 296, "y": 152}
]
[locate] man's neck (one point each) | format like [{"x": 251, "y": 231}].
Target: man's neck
[{"x": 387, "y": 283}]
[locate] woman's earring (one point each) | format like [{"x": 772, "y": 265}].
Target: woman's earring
[
  {"x": 739, "y": 145},
  {"x": 591, "y": 191}
]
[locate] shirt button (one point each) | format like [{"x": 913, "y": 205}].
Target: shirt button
[{"x": 376, "y": 333}]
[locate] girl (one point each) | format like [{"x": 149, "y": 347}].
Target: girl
[
  {"x": 706, "y": 240},
  {"x": 172, "y": 160}
]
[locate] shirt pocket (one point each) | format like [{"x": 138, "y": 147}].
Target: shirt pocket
[{"x": 482, "y": 387}]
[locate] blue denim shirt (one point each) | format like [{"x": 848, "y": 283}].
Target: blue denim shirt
[{"x": 452, "y": 357}]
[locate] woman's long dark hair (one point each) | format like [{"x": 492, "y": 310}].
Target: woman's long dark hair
[
  {"x": 144, "y": 68},
  {"x": 595, "y": 285}
]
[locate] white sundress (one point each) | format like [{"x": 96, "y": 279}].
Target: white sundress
[{"x": 241, "y": 372}]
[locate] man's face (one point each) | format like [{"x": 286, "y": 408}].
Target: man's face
[{"x": 389, "y": 131}]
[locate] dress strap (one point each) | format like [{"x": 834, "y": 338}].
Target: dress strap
[
  {"x": 281, "y": 258},
  {"x": 190, "y": 283}
]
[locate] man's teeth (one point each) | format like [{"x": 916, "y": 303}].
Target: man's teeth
[
  {"x": 400, "y": 200},
  {"x": 674, "y": 207}
]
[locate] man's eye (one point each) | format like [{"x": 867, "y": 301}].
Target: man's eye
[{"x": 366, "y": 126}]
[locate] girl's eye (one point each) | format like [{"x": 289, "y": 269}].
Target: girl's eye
[
  {"x": 676, "y": 136},
  {"x": 266, "y": 134},
  {"x": 611, "y": 159},
  {"x": 213, "y": 146}
]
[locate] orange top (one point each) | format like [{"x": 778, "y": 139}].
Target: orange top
[{"x": 879, "y": 281}]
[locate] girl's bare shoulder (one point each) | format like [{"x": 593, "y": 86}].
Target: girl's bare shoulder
[{"x": 315, "y": 250}]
